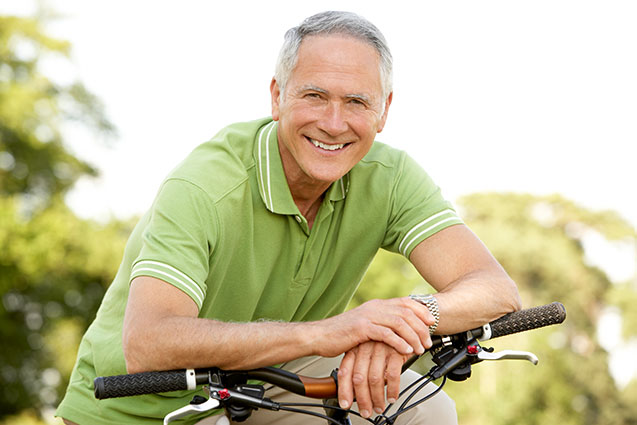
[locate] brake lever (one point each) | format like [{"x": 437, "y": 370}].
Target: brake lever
[
  {"x": 508, "y": 354},
  {"x": 191, "y": 409}
]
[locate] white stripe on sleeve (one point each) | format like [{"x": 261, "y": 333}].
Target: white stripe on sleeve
[
  {"x": 170, "y": 272},
  {"x": 432, "y": 223}
]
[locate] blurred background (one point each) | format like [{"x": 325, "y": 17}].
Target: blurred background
[{"x": 523, "y": 112}]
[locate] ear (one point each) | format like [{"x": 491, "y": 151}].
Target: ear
[
  {"x": 275, "y": 92},
  {"x": 383, "y": 118}
]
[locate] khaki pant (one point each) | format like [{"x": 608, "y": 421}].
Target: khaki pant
[{"x": 439, "y": 410}]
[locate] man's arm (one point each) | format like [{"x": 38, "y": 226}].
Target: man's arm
[
  {"x": 473, "y": 289},
  {"x": 162, "y": 331}
]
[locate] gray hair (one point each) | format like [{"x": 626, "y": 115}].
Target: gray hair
[{"x": 332, "y": 22}]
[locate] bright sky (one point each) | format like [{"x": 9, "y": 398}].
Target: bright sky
[{"x": 536, "y": 97}]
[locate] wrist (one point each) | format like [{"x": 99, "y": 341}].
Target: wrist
[
  {"x": 431, "y": 303},
  {"x": 308, "y": 335}
]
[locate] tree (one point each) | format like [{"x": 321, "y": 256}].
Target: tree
[
  {"x": 539, "y": 242},
  {"x": 390, "y": 275},
  {"x": 54, "y": 270},
  {"x": 54, "y": 267},
  {"x": 34, "y": 160}
]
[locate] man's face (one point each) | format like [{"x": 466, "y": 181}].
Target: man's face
[{"x": 330, "y": 110}]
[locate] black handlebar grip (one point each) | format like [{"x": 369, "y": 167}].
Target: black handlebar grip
[
  {"x": 531, "y": 318},
  {"x": 139, "y": 383}
]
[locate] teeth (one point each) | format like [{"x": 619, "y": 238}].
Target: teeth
[{"x": 327, "y": 147}]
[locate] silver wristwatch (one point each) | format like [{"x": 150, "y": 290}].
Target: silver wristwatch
[{"x": 431, "y": 303}]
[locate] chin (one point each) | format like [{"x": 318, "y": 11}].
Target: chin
[{"x": 327, "y": 176}]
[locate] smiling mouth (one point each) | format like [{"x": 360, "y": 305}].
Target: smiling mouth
[{"x": 325, "y": 146}]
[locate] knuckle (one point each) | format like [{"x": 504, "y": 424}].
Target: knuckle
[
  {"x": 387, "y": 333},
  {"x": 406, "y": 302},
  {"x": 358, "y": 379},
  {"x": 406, "y": 311},
  {"x": 374, "y": 379},
  {"x": 392, "y": 374}
]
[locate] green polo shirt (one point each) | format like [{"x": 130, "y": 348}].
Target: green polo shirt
[{"x": 225, "y": 230}]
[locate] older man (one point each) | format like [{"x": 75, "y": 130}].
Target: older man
[{"x": 257, "y": 241}]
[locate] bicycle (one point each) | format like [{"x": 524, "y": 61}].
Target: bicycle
[{"x": 453, "y": 357}]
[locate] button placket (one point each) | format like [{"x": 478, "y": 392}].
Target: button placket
[{"x": 316, "y": 238}]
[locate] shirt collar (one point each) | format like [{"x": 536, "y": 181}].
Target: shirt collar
[{"x": 273, "y": 186}]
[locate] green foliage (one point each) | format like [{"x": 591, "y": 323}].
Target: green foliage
[
  {"x": 390, "y": 275},
  {"x": 625, "y": 298},
  {"x": 54, "y": 267},
  {"x": 54, "y": 270},
  {"x": 539, "y": 242},
  {"x": 26, "y": 417},
  {"x": 33, "y": 158}
]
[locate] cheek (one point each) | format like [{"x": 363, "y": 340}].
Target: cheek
[{"x": 365, "y": 127}]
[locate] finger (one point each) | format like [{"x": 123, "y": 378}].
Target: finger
[
  {"x": 376, "y": 377},
  {"x": 419, "y": 323},
  {"x": 407, "y": 318},
  {"x": 422, "y": 329},
  {"x": 388, "y": 336},
  {"x": 345, "y": 388},
  {"x": 403, "y": 330},
  {"x": 359, "y": 379},
  {"x": 423, "y": 315},
  {"x": 392, "y": 376},
  {"x": 419, "y": 310}
]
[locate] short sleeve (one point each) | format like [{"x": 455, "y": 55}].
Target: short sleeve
[
  {"x": 177, "y": 241},
  {"x": 418, "y": 209}
]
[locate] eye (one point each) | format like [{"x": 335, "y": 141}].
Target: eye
[{"x": 357, "y": 103}]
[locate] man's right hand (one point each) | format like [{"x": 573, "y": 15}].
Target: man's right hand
[
  {"x": 363, "y": 374},
  {"x": 401, "y": 323}
]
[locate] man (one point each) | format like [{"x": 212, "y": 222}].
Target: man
[{"x": 257, "y": 241}]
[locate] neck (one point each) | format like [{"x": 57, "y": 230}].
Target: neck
[
  {"x": 307, "y": 196},
  {"x": 306, "y": 191},
  {"x": 309, "y": 208}
]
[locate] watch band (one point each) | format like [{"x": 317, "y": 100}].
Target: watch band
[{"x": 431, "y": 303}]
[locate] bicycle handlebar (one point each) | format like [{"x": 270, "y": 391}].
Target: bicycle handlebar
[
  {"x": 189, "y": 379},
  {"x": 531, "y": 318}
]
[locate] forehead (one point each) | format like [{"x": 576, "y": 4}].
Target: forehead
[{"x": 337, "y": 58}]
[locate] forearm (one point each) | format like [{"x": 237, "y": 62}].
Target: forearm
[
  {"x": 162, "y": 331},
  {"x": 472, "y": 286},
  {"x": 187, "y": 342},
  {"x": 474, "y": 300}
]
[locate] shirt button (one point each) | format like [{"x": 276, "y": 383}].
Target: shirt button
[{"x": 298, "y": 218}]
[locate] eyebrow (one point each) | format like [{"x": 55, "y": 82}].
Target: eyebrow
[
  {"x": 360, "y": 97},
  {"x": 309, "y": 87}
]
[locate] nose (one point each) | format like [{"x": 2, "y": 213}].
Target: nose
[{"x": 333, "y": 120}]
